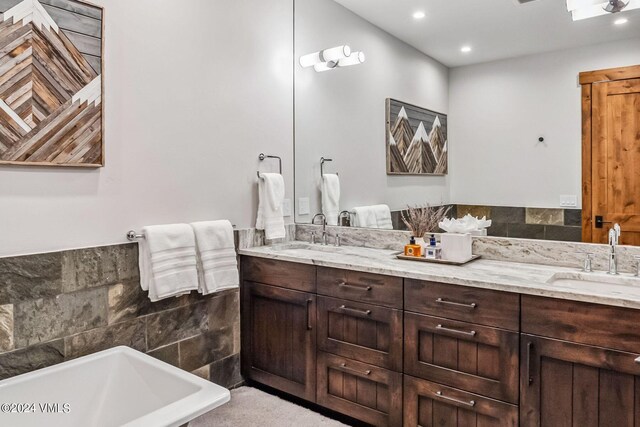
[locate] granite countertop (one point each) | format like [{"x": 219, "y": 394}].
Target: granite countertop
[{"x": 530, "y": 279}]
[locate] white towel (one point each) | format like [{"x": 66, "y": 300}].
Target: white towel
[
  {"x": 217, "y": 262},
  {"x": 331, "y": 198},
  {"x": 383, "y": 217},
  {"x": 270, "y": 198},
  {"x": 365, "y": 217},
  {"x": 168, "y": 261}
]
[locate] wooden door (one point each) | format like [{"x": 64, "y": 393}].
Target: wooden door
[
  {"x": 279, "y": 338},
  {"x": 364, "y": 332},
  {"x": 362, "y": 391},
  {"x": 565, "y": 385},
  {"x": 464, "y": 355},
  {"x": 428, "y": 404},
  {"x": 611, "y": 154}
]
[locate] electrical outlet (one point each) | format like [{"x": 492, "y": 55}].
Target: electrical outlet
[
  {"x": 303, "y": 206},
  {"x": 286, "y": 207},
  {"x": 569, "y": 201}
]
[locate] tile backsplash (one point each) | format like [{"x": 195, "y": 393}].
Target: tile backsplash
[{"x": 63, "y": 305}]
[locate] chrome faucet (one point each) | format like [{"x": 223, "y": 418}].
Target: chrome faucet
[
  {"x": 614, "y": 239},
  {"x": 324, "y": 226}
]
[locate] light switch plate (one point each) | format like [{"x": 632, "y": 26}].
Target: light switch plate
[
  {"x": 568, "y": 201},
  {"x": 303, "y": 206},
  {"x": 286, "y": 207}
]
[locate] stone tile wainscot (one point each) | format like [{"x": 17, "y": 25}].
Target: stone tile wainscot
[{"x": 63, "y": 305}]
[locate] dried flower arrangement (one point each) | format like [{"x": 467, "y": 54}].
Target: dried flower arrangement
[{"x": 424, "y": 219}]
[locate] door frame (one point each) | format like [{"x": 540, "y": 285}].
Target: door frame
[{"x": 587, "y": 79}]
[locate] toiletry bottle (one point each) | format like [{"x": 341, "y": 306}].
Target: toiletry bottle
[
  {"x": 432, "y": 240},
  {"x": 412, "y": 249}
]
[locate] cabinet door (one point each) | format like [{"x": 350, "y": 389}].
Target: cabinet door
[
  {"x": 364, "y": 332},
  {"x": 359, "y": 390},
  {"x": 464, "y": 355},
  {"x": 428, "y": 404},
  {"x": 279, "y": 338},
  {"x": 566, "y": 384}
]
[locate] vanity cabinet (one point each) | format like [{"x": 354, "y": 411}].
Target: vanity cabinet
[
  {"x": 403, "y": 352},
  {"x": 579, "y": 364},
  {"x": 279, "y": 327}
]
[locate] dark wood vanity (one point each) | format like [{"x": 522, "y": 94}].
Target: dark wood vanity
[{"x": 393, "y": 351}]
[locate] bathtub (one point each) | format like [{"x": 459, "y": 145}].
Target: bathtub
[{"x": 116, "y": 387}]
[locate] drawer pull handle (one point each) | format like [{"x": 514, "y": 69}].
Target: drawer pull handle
[
  {"x": 355, "y": 310},
  {"x": 456, "y": 331},
  {"x": 456, "y": 304},
  {"x": 359, "y": 287},
  {"x": 348, "y": 369},
  {"x": 470, "y": 403}
]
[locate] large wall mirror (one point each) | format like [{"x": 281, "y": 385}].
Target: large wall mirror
[{"x": 477, "y": 106}]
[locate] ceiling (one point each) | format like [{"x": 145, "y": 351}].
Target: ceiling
[{"x": 495, "y": 29}]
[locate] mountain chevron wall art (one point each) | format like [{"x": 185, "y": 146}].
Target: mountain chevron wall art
[
  {"x": 51, "y": 105},
  {"x": 416, "y": 140}
]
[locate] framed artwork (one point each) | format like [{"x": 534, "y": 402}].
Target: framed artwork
[
  {"x": 51, "y": 87},
  {"x": 416, "y": 140}
]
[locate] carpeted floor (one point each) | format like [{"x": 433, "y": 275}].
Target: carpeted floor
[{"x": 252, "y": 407}]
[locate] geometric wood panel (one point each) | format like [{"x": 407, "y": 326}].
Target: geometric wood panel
[{"x": 51, "y": 109}]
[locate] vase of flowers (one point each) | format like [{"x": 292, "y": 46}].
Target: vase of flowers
[{"x": 421, "y": 220}]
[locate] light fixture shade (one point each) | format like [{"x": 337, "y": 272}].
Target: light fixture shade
[
  {"x": 584, "y": 9},
  {"x": 325, "y": 66},
  {"x": 355, "y": 58},
  {"x": 328, "y": 55},
  {"x": 335, "y": 53}
]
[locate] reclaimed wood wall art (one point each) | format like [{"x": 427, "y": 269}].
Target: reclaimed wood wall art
[
  {"x": 51, "y": 105},
  {"x": 416, "y": 140}
]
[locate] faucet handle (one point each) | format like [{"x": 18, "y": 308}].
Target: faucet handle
[
  {"x": 339, "y": 243},
  {"x": 588, "y": 261},
  {"x": 313, "y": 237},
  {"x": 637, "y": 258}
]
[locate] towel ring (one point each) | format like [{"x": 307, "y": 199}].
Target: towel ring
[
  {"x": 322, "y": 162},
  {"x": 262, "y": 157}
]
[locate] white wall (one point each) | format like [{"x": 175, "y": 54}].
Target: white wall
[
  {"x": 499, "y": 109},
  {"x": 195, "y": 90},
  {"x": 341, "y": 113}
]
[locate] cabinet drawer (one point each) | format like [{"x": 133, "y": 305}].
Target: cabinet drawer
[
  {"x": 586, "y": 323},
  {"x": 427, "y": 404},
  {"x": 290, "y": 275},
  {"x": 363, "y": 332},
  {"x": 481, "y": 306},
  {"x": 467, "y": 356},
  {"x": 363, "y": 287},
  {"x": 362, "y": 391}
]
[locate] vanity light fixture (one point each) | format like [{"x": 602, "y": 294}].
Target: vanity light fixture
[
  {"x": 584, "y": 9},
  {"x": 333, "y": 54},
  {"x": 331, "y": 61},
  {"x": 465, "y": 49},
  {"x": 419, "y": 15},
  {"x": 356, "y": 58}
]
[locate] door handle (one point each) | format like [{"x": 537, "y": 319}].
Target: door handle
[
  {"x": 530, "y": 349},
  {"x": 309, "y": 325},
  {"x": 355, "y": 310},
  {"x": 344, "y": 367},
  {"x": 599, "y": 222}
]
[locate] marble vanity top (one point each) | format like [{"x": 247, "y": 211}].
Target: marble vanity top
[{"x": 530, "y": 279}]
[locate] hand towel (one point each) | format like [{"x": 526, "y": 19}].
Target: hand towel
[
  {"x": 383, "y": 217},
  {"x": 331, "y": 198},
  {"x": 167, "y": 261},
  {"x": 217, "y": 262},
  {"x": 365, "y": 217},
  {"x": 270, "y": 198}
]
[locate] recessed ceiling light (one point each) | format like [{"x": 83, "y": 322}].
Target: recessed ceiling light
[
  {"x": 621, "y": 21},
  {"x": 419, "y": 15},
  {"x": 465, "y": 49}
]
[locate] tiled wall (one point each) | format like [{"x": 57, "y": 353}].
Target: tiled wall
[
  {"x": 59, "y": 306},
  {"x": 519, "y": 222}
]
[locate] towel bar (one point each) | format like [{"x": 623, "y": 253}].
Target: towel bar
[
  {"x": 132, "y": 236},
  {"x": 322, "y": 162},
  {"x": 263, "y": 156}
]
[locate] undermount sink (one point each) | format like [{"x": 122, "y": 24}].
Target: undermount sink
[
  {"x": 297, "y": 246},
  {"x": 581, "y": 280}
]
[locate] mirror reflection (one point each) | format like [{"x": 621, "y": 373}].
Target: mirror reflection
[{"x": 496, "y": 109}]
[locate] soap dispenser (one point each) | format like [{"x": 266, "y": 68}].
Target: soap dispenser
[{"x": 413, "y": 249}]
